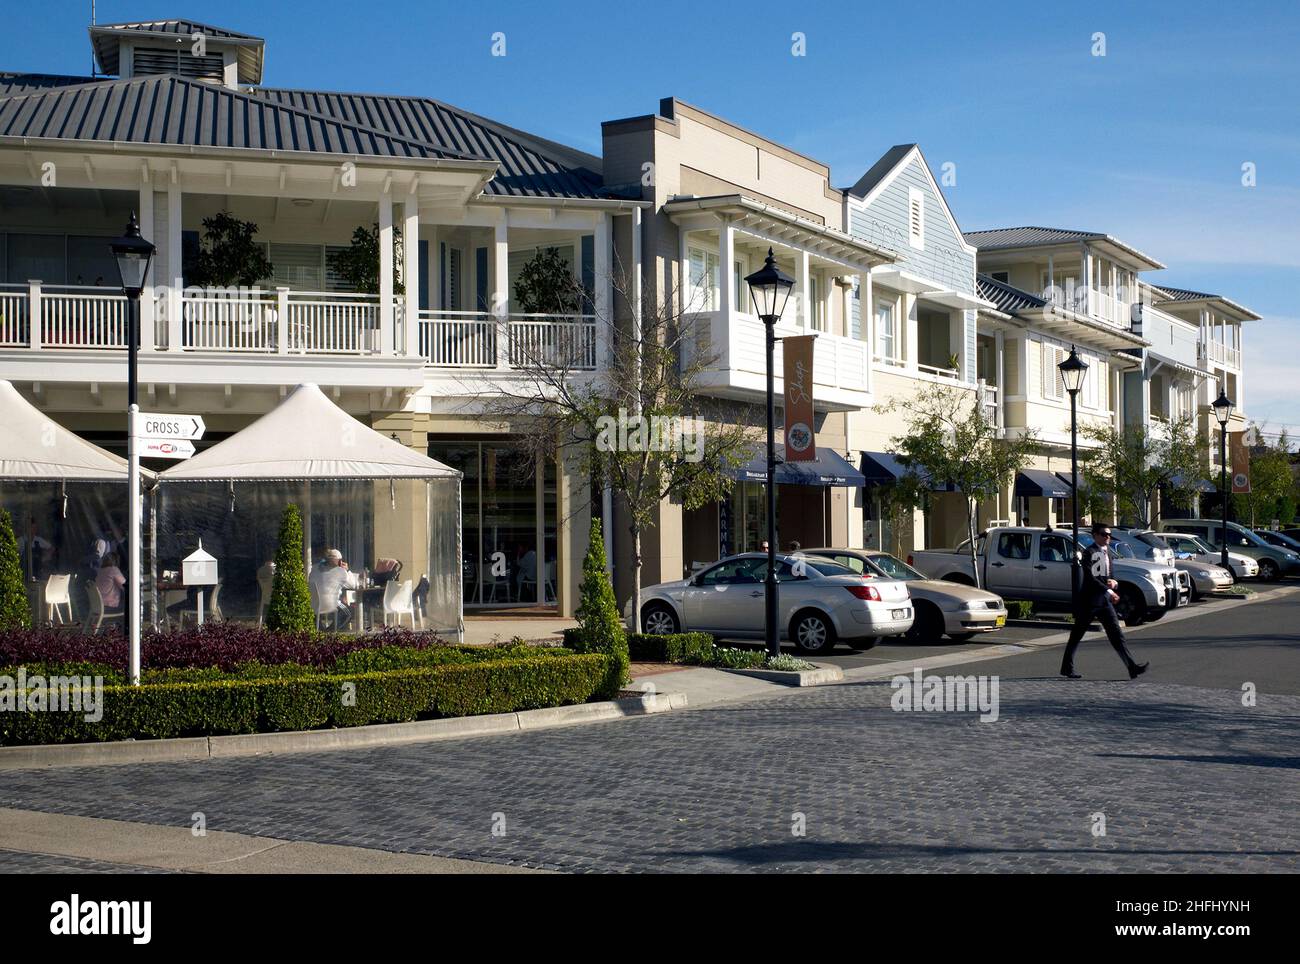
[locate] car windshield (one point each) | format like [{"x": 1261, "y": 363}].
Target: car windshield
[
  {"x": 1191, "y": 544},
  {"x": 894, "y": 567},
  {"x": 1285, "y": 541}
]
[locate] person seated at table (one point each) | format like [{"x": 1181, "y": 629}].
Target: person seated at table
[
  {"x": 110, "y": 581},
  {"x": 328, "y": 580}
]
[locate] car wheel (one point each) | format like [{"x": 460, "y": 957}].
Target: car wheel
[
  {"x": 812, "y": 632},
  {"x": 1196, "y": 593},
  {"x": 962, "y": 637},
  {"x": 927, "y": 627},
  {"x": 658, "y": 619},
  {"x": 864, "y": 643},
  {"x": 1132, "y": 607},
  {"x": 1268, "y": 570}
]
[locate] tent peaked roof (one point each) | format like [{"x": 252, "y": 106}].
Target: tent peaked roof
[
  {"x": 307, "y": 436},
  {"x": 35, "y": 447}
]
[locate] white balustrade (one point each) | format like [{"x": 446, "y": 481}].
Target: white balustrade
[
  {"x": 468, "y": 339},
  {"x": 14, "y": 316},
  {"x": 82, "y": 317}
]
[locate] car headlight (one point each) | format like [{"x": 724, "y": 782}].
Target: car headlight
[{"x": 1292, "y": 557}]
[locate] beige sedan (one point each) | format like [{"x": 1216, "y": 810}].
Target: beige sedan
[{"x": 942, "y": 607}]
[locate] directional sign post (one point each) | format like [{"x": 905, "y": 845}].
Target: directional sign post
[
  {"x": 161, "y": 448},
  {"x": 171, "y": 427}
]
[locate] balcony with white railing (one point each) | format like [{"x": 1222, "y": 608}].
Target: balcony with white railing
[
  {"x": 476, "y": 339},
  {"x": 1217, "y": 353},
  {"x": 731, "y": 352},
  {"x": 1091, "y": 303},
  {"x": 207, "y": 336}
]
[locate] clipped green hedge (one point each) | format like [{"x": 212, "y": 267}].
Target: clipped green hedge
[
  {"x": 217, "y": 707},
  {"x": 671, "y": 647}
]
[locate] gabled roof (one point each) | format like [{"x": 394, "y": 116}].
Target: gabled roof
[
  {"x": 876, "y": 173},
  {"x": 1186, "y": 296},
  {"x": 168, "y": 110},
  {"x": 884, "y": 171},
  {"x": 529, "y": 166},
  {"x": 1001, "y": 239},
  {"x": 1009, "y": 300},
  {"x": 106, "y": 39}
]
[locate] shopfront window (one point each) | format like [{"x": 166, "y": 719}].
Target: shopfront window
[{"x": 508, "y": 522}]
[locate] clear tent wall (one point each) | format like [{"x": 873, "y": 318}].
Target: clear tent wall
[{"x": 413, "y": 521}]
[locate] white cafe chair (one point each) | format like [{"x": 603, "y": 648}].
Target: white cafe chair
[
  {"x": 96, "y": 614},
  {"x": 58, "y": 592},
  {"x": 398, "y": 601}
]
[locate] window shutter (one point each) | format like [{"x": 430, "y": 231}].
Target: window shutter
[{"x": 916, "y": 218}]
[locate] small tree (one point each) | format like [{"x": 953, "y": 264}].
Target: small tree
[
  {"x": 14, "y": 611},
  {"x": 228, "y": 254},
  {"x": 358, "y": 263},
  {"x": 950, "y": 440},
  {"x": 1133, "y": 462},
  {"x": 290, "y": 609},
  {"x": 599, "y": 628},
  {"x": 546, "y": 285},
  {"x": 1271, "y": 483}
]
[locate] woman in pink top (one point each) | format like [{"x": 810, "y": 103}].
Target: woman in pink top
[{"x": 110, "y": 582}]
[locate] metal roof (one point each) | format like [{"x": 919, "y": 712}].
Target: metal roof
[
  {"x": 12, "y": 84},
  {"x": 529, "y": 166},
  {"x": 877, "y": 172},
  {"x": 995, "y": 239},
  {"x": 168, "y": 110},
  {"x": 1009, "y": 300},
  {"x": 1185, "y": 295},
  {"x": 106, "y": 38}
]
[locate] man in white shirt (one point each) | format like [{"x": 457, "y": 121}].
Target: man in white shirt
[{"x": 328, "y": 580}]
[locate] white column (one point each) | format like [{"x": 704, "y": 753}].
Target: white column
[
  {"x": 999, "y": 340},
  {"x": 601, "y": 282},
  {"x": 1085, "y": 270},
  {"x": 867, "y": 325},
  {"x": 910, "y": 320},
  {"x": 34, "y": 312},
  {"x": 411, "y": 275},
  {"x": 500, "y": 288},
  {"x": 804, "y": 319},
  {"x": 175, "y": 281},
  {"x": 148, "y": 333},
  {"x": 726, "y": 288},
  {"x": 385, "y": 270}
]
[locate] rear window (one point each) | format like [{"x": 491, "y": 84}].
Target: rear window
[{"x": 1150, "y": 538}]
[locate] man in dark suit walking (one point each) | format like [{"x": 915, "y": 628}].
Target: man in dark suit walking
[{"x": 1097, "y": 598}]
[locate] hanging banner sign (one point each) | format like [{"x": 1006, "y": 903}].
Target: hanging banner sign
[
  {"x": 1240, "y": 462},
  {"x": 800, "y": 439}
]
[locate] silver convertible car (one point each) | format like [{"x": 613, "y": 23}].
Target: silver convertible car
[
  {"x": 942, "y": 607},
  {"x": 821, "y": 602}
]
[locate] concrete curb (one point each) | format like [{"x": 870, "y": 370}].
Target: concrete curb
[
  {"x": 315, "y": 741},
  {"x": 807, "y": 677}
]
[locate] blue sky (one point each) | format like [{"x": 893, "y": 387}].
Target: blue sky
[{"x": 1146, "y": 143}]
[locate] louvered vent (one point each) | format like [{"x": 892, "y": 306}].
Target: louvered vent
[{"x": 154, "y": 60}]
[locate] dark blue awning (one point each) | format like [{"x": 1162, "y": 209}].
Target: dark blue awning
[
  {"x": 883, "y": 468},
  {"x": 829, "y": 468},
  {"x": 1039, "y": 483}
]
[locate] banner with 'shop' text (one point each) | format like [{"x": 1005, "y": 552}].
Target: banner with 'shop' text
[{"x": 800, "y": 436}]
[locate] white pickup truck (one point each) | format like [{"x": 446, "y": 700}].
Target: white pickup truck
[{"x": 1018, "y": 562}]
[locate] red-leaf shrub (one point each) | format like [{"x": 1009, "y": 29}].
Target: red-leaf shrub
[{"x": 222, "y": 644}]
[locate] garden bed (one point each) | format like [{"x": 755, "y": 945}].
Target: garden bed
[{"x": 231, "y": 680}]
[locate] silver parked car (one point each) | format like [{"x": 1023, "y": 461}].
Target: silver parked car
[
  {"x": 942, "y": 607},
  {"x": 1189, "y": 546},
  {"x": 1205, "y": 577},
  {"x": 820, "y": 601}
]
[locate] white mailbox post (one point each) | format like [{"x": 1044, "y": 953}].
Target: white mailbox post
[{"x": 199, "y": 569}]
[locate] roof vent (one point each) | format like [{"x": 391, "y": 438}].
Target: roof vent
[{"x": 190, "y": 49}]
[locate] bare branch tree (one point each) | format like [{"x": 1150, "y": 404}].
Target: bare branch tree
[{"x": 637, "y": 421}]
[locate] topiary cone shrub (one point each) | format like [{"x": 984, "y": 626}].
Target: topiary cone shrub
[
  {"x": 14, "y": 611},
  {"x": 290, "y": 609},
  {"x": 599, "y": 628}
]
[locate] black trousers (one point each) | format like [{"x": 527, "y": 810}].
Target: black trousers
[{"x": 1109, "y": 620}]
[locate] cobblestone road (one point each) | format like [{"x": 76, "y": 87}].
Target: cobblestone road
[{"x": 1187, "y": 778}]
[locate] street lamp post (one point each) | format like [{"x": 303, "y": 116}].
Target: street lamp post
[
  {"x": 133, "y": 254},
  {"x": 1072, "y": 371},
  {"x": 1223, "y": 411},
  {"x": 769, "y": 288}
]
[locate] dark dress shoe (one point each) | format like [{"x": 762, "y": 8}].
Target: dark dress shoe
[
  {"x": 1071, "y": 674},
  {"x": 1137, "y": 669}
]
